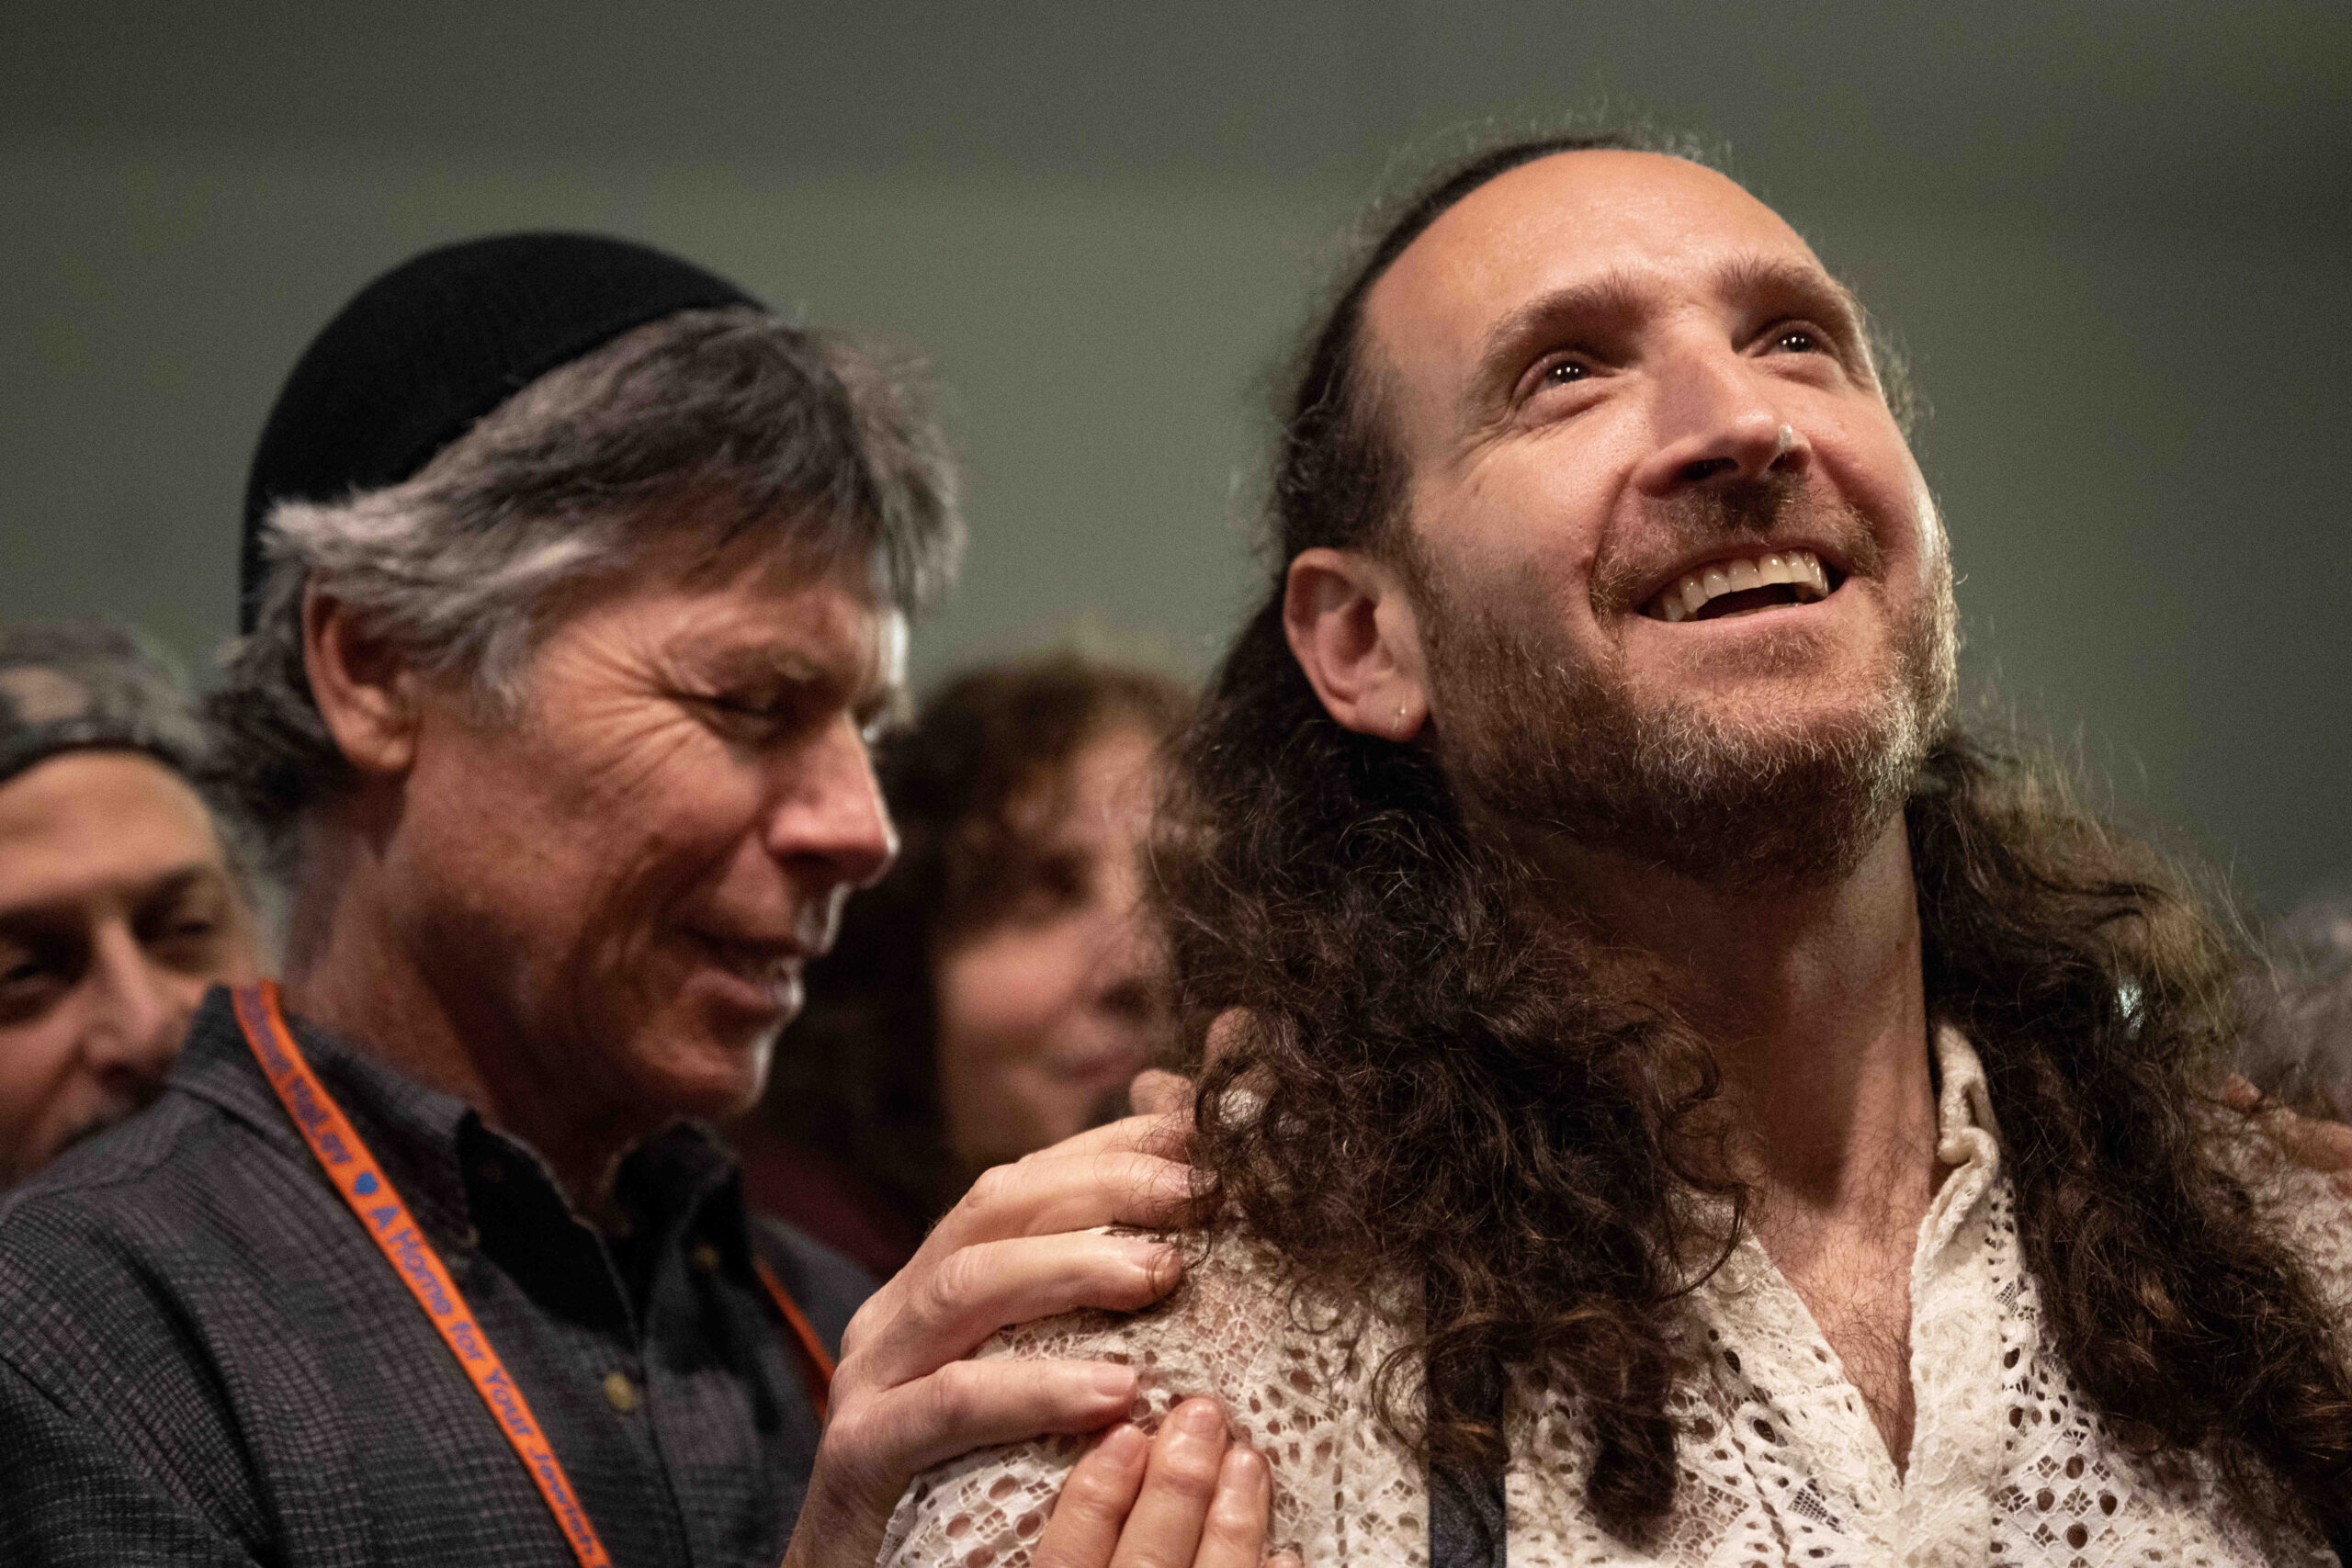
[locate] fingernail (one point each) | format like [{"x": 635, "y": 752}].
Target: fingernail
[
  {"x": 1163, "y": 1265},
  {"x": 1113, "y": 1382},
  {"x": 1126, "y": 1444},
  {"x": 1241, "y": 1469},
  {"x": 1200, "y": 1418}
]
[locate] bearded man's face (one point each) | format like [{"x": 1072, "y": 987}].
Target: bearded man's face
[
  {"x": 1544, "y": 740},
  {"x": 1680, "y": 592}
]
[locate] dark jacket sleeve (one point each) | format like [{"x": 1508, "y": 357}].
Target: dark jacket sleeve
[
  {"x": 72, "y": 1497},
  {"x": 120, "y": 1435}
]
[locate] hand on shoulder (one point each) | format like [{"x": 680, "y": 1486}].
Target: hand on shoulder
[{"x": 1022, "y": 1245}]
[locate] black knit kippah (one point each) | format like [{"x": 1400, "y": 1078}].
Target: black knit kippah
[{"x": 426, "y": 350}]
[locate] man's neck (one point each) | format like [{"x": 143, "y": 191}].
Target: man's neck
[
  {"x": 350, "y": 968},
  {"x": 1813, "y": 998}
]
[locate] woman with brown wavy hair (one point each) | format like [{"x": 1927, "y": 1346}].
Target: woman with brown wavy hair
[
  {"x": 997, "y": 989},
  {"x": 1676, "y": 1097}
]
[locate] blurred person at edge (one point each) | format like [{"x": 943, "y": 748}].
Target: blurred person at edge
[
  {"x": 120, "y": 902},
  {"x": 573, "y": 582},
  {"x": 996, "y": 991},
  {"x": 2297, "y": 1053}
]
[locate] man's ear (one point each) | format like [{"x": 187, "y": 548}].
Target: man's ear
[
  {"x": 365, "y": 691},
  {"x": 1352, "y": 629}
]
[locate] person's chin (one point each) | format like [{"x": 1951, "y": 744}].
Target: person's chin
[
  {"x": 720, "y": 1042},
  {"x": 736, "y": 1006}
]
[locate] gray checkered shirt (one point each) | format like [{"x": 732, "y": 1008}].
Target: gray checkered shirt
[{"x": 204, "y": 1360}]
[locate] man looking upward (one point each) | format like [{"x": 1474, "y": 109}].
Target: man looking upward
[{"x": 1677, "y": 1097}]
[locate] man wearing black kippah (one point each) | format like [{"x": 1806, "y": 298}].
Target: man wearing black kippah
[{"x": 574, "y": 583}]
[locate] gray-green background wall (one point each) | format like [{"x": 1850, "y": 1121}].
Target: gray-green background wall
[{"x": 2112, "y": 238}]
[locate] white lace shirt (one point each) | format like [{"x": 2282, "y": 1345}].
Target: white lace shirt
[{"x": 1781, "y": 1460}]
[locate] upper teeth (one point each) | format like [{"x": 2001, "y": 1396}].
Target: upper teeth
[{"x": 1801, "y": 570}]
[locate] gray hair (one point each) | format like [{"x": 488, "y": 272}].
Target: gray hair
[{"x": 728, "y": 419}]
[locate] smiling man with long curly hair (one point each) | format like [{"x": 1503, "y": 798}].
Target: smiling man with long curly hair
[{"x": 1675, "y": 1096}]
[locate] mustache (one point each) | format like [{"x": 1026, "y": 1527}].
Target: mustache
[{"x": 1755, "y": 508}]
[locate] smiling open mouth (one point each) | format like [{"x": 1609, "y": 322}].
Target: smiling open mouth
[
  {"x": 760, "y": 965},
  {"x": 1723, "y": 589}
]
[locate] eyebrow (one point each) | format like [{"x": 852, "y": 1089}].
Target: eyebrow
[
  {"x": 871, "y": 694},
  {"x": 146, "y": 893},
  {"x": 1618, "y": 296},
  {"x": 180, "y": 883}
]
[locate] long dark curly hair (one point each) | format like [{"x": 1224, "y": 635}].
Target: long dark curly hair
[{"x": 1505, "y": 1148}]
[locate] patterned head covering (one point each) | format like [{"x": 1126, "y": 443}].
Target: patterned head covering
[{"x": 86, "y": 686}]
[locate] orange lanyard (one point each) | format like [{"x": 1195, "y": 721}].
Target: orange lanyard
[
  {"x": 354, "y": 1173},
  {"x": 816, "y": 1364}
]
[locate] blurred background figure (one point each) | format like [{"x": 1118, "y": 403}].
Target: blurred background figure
[
  {"x": 121, "y": 901},
  {"x": 2298, "y": 1044},
  {"x": 999, "y": 988}
]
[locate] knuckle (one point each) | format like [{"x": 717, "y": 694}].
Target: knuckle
[
  {"x": 862, "y": 1459},
  {"x": 959, "y": 1278},
  {"x": 851, "y": 1385},
  {"x": 995, "y": 1188},
  {"x": 952, "y": 1396},
  {"x": 1090, "y": 1493},
  {"x": 849, "y": 1434},
  {"x": 1232, "y": 1519},
  {"x": 1191, "y": 1471},
  {"x": 863, "y": 1324},
  {"x": 1137, "y": 1172}
]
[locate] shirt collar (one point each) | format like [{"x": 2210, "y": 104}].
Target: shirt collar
[
  {"x": 1965, "y": 1128},
  {"x": 1967, "y": 1139},
  {"x": 1967, "y": 1143},
  {"x": 435, "y": 1148}
]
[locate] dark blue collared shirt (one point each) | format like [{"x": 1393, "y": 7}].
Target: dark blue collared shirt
[{"x": 204, "y": 1360}]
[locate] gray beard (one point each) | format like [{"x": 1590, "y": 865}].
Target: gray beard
[{"x": 1546, "y": 746}]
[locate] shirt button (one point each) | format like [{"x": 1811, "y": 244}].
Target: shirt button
[
  {"x": 620, "y": 1391},
  {"x": 704, "y": 1257}
]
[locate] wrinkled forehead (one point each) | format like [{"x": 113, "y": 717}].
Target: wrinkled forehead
[
  {"x": 1636, "y": 221},
  {"x": 752, "y": 607}
]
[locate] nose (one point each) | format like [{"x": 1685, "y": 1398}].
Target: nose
[
  {"x": 137, "y": 1015},
  {"x": 1718, "y": 422},
  {"x": 1125, "y": 972},
  {"x": 830, "y": 820}
]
